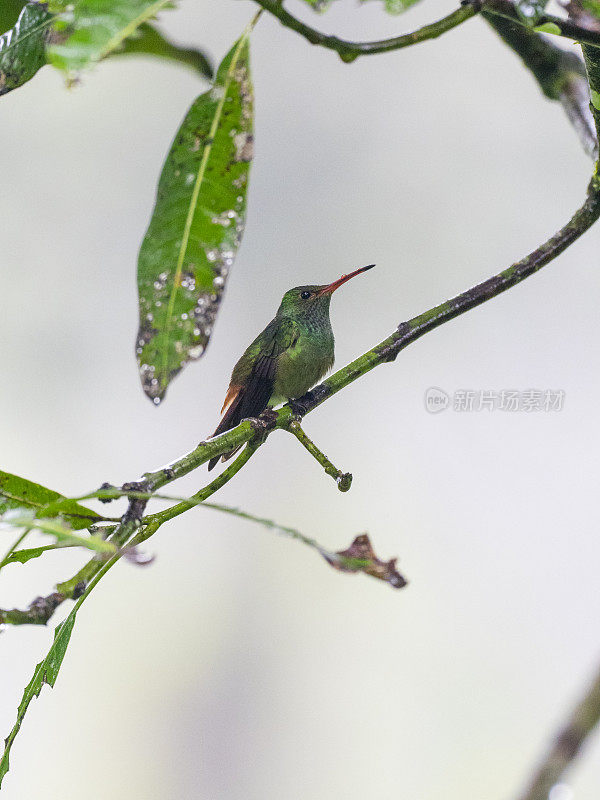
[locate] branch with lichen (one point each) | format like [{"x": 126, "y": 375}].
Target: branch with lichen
[{"x": 136, "y": 528}]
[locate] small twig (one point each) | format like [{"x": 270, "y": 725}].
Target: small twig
[
  {"x": 349, "y": 51},
  {"x": 583, "y": 720},
  {"x": 343, "y": 479},
  {"x": 37, "y": 613},
  {"x": 153, "y": 521}
]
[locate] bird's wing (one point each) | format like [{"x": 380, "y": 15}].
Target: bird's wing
[{"x": 253, "y": 376}]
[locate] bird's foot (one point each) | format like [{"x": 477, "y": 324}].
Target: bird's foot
[
  {"x": 267, "y": 419},
  {"x": 299, "y": 405}
]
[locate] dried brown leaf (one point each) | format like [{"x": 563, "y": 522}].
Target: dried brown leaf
[{"x": 360, "y": 557}]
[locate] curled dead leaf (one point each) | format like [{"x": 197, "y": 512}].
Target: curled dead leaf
[{"x": 360, "y": 557}]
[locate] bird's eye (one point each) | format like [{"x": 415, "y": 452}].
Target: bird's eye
[{"x": 305, "y": 295}]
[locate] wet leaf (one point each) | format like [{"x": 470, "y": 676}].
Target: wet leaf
[
  {"x": 45, "y": 672},
  {"x": 94, "y": 29},
  {"x": 196, "y": 226},
  {"x": 9, "y": 13},
  {"x": 23, "y": 47},
  {"x": 359, "y": 557},
  {"x": 148, "y": 41},
  {"x": 18, "y": 492}
]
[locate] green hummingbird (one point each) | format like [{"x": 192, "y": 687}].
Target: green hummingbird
[{"x": 290, "y": 356}]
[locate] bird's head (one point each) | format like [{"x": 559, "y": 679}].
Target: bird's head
[{"x": 309, "y": 300}]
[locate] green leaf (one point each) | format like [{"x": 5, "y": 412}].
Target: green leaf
[
  {"x": 25, "y": 555},
  {"x": 25, "y": 518},
  {"x": 150, "y": 42},
  {"x": 9, "y": 13},
  {"x": 45, "y": 672},
  {"x": 17, "y": 492},
  {"x": 196, "y": 226},
  {"x": 96, "y": 28},
  {"x": 22, "y": 48}
]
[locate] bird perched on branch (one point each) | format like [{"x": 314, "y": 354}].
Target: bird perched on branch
[{"x": 290, "y": 356}]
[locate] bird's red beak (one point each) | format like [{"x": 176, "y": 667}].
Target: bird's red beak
[{"x": 331, "y": 287}]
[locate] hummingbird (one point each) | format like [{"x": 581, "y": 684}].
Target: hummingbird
[{"x": 291, "y": 355}]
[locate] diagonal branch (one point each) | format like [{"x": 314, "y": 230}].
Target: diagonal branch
[
  {"x": 257, "y": 430},
  {"x": 254, "y": 432},
  {"x": 581, "y": 723}
]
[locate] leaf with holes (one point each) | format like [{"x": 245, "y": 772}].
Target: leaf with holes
[
  {"x": 196, "y": 226},
  {"x": 23, "y": 47},
  {"x": 90, "y": 30}
]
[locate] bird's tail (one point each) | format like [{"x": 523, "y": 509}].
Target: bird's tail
[{"x": 231, "y": 419}]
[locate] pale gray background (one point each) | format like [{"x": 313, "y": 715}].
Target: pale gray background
[{"x": 239, "y": 665}]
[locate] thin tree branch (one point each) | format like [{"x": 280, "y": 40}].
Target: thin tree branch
[
  {"x": 343, "y": 479},
  {"x": 349, "y": 51},
  {"x": 255, "y": 431},
  {"x": 567, "y": 744}
]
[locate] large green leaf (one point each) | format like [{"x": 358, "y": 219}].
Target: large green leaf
[
  {"x": 18, "y": 492},
  {"x": 196, "y": 226},
  {"x": 22, "y": 48},
  {"x": 9, "y": 13},
  {"x": 94, "y": 29}
]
